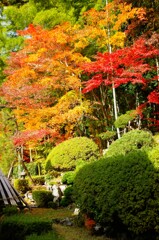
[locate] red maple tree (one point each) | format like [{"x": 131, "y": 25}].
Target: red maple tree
[{"x": 120, "y": 67}]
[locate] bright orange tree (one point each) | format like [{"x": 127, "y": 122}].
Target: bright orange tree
[{"x": 43, "y": 83}]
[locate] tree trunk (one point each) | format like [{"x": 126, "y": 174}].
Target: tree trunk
[
  {"x": 110, "y": 51},
  {"x": 11, "y": 169}
]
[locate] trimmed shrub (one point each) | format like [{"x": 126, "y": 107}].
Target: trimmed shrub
[
  {"x": 52, "y": 204},
  {"x": 68, "y": 154},
  {"x": 42, "y": 197},
  {"x": 120, "y": 192},
  {"x": 68, "y": 197},
  {"x": 21, "y": 185},
  {"x": 130, "y": 141},
  {"x": 38, "y": 180},
  {"x": 154, "y": 156},
  {"x": 18, "y": 226},
  {"x": 156, "y": 138},
  {"x": 68, "y": 177}
]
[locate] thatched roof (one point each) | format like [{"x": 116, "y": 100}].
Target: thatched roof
[{"x": 9, "y": 195}]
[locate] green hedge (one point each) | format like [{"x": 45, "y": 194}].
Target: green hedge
[
  {"x": 42, "y": 197},
  {"x": 68, "y": 197},
  {"x": 130, "y": 141},
  {"x": 70, "y": 153},
  {"x": 68, "y": 177},
  {"x": 16, "y": 227},
  {"x": 121, "y": 192}
]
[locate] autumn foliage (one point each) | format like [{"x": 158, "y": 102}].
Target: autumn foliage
[
  {"x": 45, "y": 78},
  {"x": 120, "y": 67},
  {"x": 43, "y": 83}
]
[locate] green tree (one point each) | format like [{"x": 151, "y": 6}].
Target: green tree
[
  {"x": 131, "y": 141},
  {"x": 71, "y": 153}
]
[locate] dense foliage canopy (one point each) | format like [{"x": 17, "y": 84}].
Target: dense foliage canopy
[
  {"x": 73, "y": 71},
  {"x": 131, "y": 141},
  {"x": 124, "y": 190},
  {"x": 72, "y": 153}
]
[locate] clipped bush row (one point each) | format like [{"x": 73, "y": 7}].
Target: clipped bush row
[
  {"x": 18, "y": 226},
  {"x": 121, "y": 192}
]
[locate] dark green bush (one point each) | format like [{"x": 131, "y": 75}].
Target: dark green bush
[
  {"x": 120, "y": 192},
  {"x": 42, "y": 197},
  {"x": 52, "y": 204},
  {"x": 70, "y": 153},
  {"x": 38, "y": 180},
  {"x": 16, "y": 227},
  {"x": 68, "y": 177},
  {"x": 130, "y": 141},
  {"x": 10, "y": 210},
  {"x": 21, "y": 185},
  {"x": 68, "y": 197}
]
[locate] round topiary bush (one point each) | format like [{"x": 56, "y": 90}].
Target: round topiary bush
[
  {"x": 120, "y": 192},
  {"x": 42, "y": 197},
  {"x": 130, "y": 141},
  {"x": 70, "y": 153}
]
